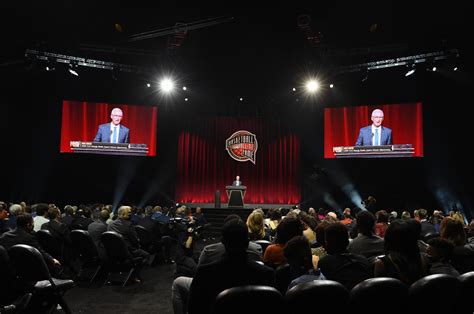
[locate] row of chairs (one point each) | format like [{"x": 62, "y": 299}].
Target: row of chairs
[
  {"x": 432, "y": 294},
  {"x": 116, "y": 259}
]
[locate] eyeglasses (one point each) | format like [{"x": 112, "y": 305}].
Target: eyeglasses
[
  {"x": 116, "y": 115},
  {"x": 375, "y": 117}
]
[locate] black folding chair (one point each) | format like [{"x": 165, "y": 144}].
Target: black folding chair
[
  {"x": 119, "y": 259},
  {"x": 88, "y": 253},
  {"x": 35, "y": 277}
]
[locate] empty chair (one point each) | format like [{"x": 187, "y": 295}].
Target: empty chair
[
  {"x": 318, "y": 294},
  {"x": 35, "y": 277},
  {"x": 374, "y": 291},
  {"x": 250, "y": 299},
  {"x": 424, "y": 291},
  {"x": 147, "y": 242},
  {"x": 119, "y": 259},
  {"x": 88, "y": 253},
  {"x": 467, "y": 291},
  {"x": 50, "y": 244},
  {"x": 263, "y": 243}
]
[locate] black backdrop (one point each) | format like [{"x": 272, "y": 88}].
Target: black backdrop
[{"x": 34, "y": 170}]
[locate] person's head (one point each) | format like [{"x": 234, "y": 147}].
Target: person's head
[
  {"x": 288, "y": 228},
  {"x": 116, "y": 116},
  {"x": 235, "y": 237},
  {"x": 25, "y": 221},
  {"x": 3, "y": 213},
  {"x": 337, "y": 238},
  {"x": 54, "y": 213},
  {"x": 104, "y": 215},
  {"x": 237, "y": 178},
  {"x": 15, "y": 209},
  {"x": 402, "y": 237},
  {"x": 452, "y": 230},
  {"x": 406, "y": 215},
  {"x": 365, "y": 222},
  {"x": 377, "y": 117},
  {"x": 124, "y": 212},
  {"x": 198, "y": 210},
  {"x": 298, "y": 253}
]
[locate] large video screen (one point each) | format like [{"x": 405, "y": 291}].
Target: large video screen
[
  {"x": 110, "y": 129},
  {"x": 374, "y": 131}
]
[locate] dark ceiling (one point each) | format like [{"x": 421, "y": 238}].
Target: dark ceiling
[{"x": 255, "y": 40}]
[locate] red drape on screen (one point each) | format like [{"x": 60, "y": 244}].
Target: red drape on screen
[
  {"x": 341, "y": 125},
  {"x": 80, "y": 121},
  {"x": 204, "y": 165}
]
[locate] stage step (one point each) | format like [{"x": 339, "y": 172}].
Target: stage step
[{"x": 216, "y": 217}]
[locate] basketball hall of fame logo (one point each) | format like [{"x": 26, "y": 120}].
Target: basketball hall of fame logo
[{"x": 242, "y": 146}]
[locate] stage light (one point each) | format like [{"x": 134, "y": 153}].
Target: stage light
[
  {"x": 166, "y": 85},
  {"x": 186, "y": 99},
  {"x": 312, "y": 86},
  {"x": 294, "y": 89},
  {"x": 148, "y": 85},
  {"x": 50, "y": 66},
  {"x": 331, "y": 85},
  {"x": 241, "y": 99},
  {"x": 411, "y": 69},
  {"x": 185, "y": 88},
  {"x": 73, "y": 69},
  {"x": 455, "y": 68},
  {"x": 434, "y": 69}
]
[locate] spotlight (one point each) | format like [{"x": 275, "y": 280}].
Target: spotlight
[
  {"x": 331, "y": 85},
  {"x": 186, "y": 99},
  {"x": 312, "y": 86},
  {"x": 455, "y": 68},
  {"x": 148, "y": 85},
  {"x": 294, "y": 89},
  {"x": 241, "y": 99},
  {"x": 72, "y": 69},
  {"x": 411, "y": 69},
  {"x": 166, "y": 85},
  {"x": 50, "y": 66},
  {"x": 185, "y": 88}
]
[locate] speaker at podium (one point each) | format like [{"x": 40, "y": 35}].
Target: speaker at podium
[{"x": 236, "y": 195}]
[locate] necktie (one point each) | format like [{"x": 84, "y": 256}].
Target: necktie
[
  {"x": 114, "y": 135},
  {"x": 376, "y": 139}
]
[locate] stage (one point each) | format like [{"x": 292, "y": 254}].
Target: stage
[{"x": 246, "y": 206}]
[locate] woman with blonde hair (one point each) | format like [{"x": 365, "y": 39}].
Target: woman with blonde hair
[{"x": 256, "y": 227}]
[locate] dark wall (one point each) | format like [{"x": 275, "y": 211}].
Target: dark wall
[{"x": 34, "y": 170}]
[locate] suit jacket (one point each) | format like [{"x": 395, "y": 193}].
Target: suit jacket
[
  {"x": 127, "y": 230},
  {"x": 96, "y": 229},
  {"x": 22, "y": 236},
  {"x": 237, "y": 183},
  {"x": 211, "y": 279},
  {"x": 104, "y": 133},
  {"x": 365, "y": 136}
]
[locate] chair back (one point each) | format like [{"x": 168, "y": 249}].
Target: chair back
[
  {"x": 84, "y": 244},
  {"x": 7, "y": 275},
  {"x": 424, "y": 291},
  {"x": 467, "y": 291},
  {"x": 144, "y": 236},
  {"x": 430, "y": 235},
  {"x": 29, "y": 263},
  {"x": 376, "y": 291},
  {"x": 301, "y": 298},
  {"x": 264, "y": 244},
  {"x": 283, "y": 278},
  {"x": 115, "y": 246},
  {"x": 50, "y": 243},
  {"x": 250, "y": 299}
]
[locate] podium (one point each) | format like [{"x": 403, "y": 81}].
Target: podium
[
  {"x": 236, "y": 195},
  {"x": 109, "y": 148},
  {"x": 382, "y": 151}
]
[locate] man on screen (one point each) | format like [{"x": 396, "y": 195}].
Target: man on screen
[
  {"x": 113, "y": 132},
  {"x": 237, "y": 181},
  {"x": 375, "y": 134}
]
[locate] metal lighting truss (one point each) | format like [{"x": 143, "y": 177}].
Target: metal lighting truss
[
  {"x": 401, "y": 61},
  {"x": 79, "y": 61}
]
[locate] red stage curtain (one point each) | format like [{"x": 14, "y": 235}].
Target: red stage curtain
[
  {"x": 80, "y": 121},
  {"x": 204, "y": 165},
  {"x": 341, "y": 125}
]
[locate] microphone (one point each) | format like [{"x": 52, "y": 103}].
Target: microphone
[{"x": 373, "y": 134}]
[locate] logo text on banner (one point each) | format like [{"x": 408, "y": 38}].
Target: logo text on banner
[{"x": 242, "y": 146}]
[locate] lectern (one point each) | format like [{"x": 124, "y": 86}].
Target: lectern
[{"x": 236, "y": 195}]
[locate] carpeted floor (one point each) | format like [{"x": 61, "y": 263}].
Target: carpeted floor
[{"x": 153, "y": 295}]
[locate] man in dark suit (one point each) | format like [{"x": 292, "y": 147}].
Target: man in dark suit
[
  {"x": 23, "y": 235},
  {"x": 237, "y": 181},
  {"x": 99, "y": 226},
  {"x": 375, "y": 134},
  {"x": 234, "y": 269},
  {"x": 113, "y": 132}
]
